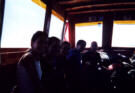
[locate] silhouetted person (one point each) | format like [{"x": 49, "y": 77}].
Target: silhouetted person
[
  {"x": 94, "y": 46},
  {"x": 49, "y": 66},
  {"x": 65, "y": 47},
  {"x": 91, "y": 76},
  {"x": 92, "y": 54},
  {"x": 54, "y": 65},
  {"x": 29, "y": 68},
  {"x": 74, "y": 66},
  {"x": 64, "y": 51}
]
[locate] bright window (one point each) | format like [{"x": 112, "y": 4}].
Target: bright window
[
  {"x": 56, "y": 27},
  {"x": 22, "y": 19},
  {"x": 89, "y": 32},
  {"x": 123, "y": 34}
]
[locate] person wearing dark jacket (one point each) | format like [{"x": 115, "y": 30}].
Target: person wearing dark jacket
[
  {"x": 74, "y": 66},
  {"x": 54, "y": 67},
  {"x": 29, "y": 67},
  {"x": 92, "y": 77}
]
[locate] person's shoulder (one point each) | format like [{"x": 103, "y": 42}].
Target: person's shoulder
[
  {"x": 27, "y": 57},
  {"x": 88, "y": 52},
  {"x": 72, "y": 53},
  {"x": 72, "y": 50}
]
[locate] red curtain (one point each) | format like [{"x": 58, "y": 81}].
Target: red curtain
[{"x": 66, "y": 32}]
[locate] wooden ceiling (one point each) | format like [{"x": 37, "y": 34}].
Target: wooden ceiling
[{"x": 81, "y": 8}]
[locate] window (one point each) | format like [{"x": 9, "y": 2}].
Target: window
[
  {"x": 56, "y": 26},
  {"x": 123, "y": 34},
  {"x": 22, "y": 19},
  {"x": 89, "y": 32}
]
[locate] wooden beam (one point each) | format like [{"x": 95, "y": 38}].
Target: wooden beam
[
  {"x": 102, "y": 11},
  {"x": 55, "y": 6},
  {"x": 72, "y": 33},
  {"x": 100, "y": 5},
  {"x": 2, "y": 6},
  {"x": 107, "y": 31},
  {"x": 47, "y": 19},
  {"x": 99, "y": 16},
  {"x": 75, "y": 2}
]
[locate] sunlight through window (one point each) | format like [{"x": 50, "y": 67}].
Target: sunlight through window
[
  {"x": 89, "y": 33},
  {"x": 123, "y": 35},
  {"x": 56, "y": 27},
  {"x": 22, "y": 19}
]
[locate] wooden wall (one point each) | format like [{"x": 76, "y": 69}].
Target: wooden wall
[{"x": 11, "y": 55}]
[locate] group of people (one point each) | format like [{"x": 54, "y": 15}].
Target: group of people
[{"x": 51, "y": 66}]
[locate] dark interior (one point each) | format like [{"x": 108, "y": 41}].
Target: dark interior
[{"x": 75, "y": 11}]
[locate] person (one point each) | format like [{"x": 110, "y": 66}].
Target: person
[
  {"x": 92, "y": 80},
  {"x": 64, "y": 51},
  {"x": 74, "y": 66},
  {"x": 29, "y": 68},
  {"x": 94, "y": 46},
  {"x": 53, "y": 73},
  {"x": 75, "y": 54},
  {"x": 92, "y": 54},
  {"x": 65, "y": 47}
]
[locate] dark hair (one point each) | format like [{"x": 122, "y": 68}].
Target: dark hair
[
  {"x": 54, "y": 41},
  {"x": 53, "y": 46},
  {"x": 37, "y": 35},
  {"x": 94, "y": 43},
  {"x": 65, "y": 44},
  {"x": 81, "y": 42}
]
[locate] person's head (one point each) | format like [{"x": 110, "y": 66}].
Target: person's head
[
  {"x": 39, "y": 42},
  {"x": 53, "y": 45},
  {"x": 94, "y": 46},
  {"x": 81, "y": 45},
  {"x": 65, "y": 47}
]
